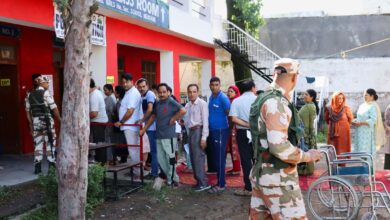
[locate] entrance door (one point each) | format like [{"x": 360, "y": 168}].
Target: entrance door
[{"x": 9, "y": 110}]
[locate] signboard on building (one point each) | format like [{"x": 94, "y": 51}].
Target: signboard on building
[
  {"x": 152, "y": 11},
  {"x": 98, "y": 35},
  {"x": 5, "y": 82},
  {"x": 9, "y": 31},
  {"x": 110, "y": 79}
]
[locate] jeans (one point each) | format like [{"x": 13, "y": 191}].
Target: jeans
[{"x": 153, "y": 152}]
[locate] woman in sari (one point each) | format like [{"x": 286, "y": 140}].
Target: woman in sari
[
  {"x": 232, "y": 147},
  {"x": 339, "y": 118},
  {"x": 308, "y": 114}
]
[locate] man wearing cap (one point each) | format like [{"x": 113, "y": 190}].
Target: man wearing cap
[
  {"x": 275, "y": 186},
  {"x": 39, "y": 105}
]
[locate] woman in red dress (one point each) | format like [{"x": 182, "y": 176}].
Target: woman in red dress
[
  {"x": 339, "y": 118},
  {"x": 232, "y": 147}
]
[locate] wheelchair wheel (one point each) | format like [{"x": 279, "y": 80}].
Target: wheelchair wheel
[
  {"x": 369, "y": 216},
  {"x": 331, "y": 197}
]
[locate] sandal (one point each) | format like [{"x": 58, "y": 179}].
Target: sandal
[
  {"x": 233, "y": 173},
  {"x": 216, "y": 190}
]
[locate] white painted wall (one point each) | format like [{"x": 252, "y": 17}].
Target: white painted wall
[
  {"x": 351, "y": 76},
  {"x": 98, "y": 65},
  {"x": 166, "y": 68},
  {"x": 184, "y": 23},
  {"x": 309, "y": 8},
  {"x": 206, "y": 75}
]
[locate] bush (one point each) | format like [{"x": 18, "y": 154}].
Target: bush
[
  {"x": 322, "y": 135},
  {"x": 7, "y": 193},
  {"x": 49, "y": 185}
]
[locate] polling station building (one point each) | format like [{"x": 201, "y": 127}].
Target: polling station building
[{"x": 148, "y": 38}]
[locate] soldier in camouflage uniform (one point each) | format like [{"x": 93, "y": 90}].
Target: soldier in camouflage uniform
[
  {"x": 276, "y": 193},
  {"x": 39, "y": 105}
]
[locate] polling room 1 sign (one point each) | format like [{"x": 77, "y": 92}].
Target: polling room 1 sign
[{"x": 152, "y": 11}]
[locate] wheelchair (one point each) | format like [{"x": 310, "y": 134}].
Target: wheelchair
[{"x": 342, "y": 190}]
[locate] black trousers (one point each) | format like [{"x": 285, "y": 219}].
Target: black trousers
[
  {"x": 246, "y": 156},
  {"x": 98, "y": 135},
  {"x": 211, "y": 167},
  {"x": 387, "y": 162}
]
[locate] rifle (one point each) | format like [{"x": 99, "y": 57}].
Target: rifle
[{"x": 48, "y": 129}]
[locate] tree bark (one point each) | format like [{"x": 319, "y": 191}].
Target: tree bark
[
  {"x": 240, "y": 70},
  {"x": 72, "y": 161}
]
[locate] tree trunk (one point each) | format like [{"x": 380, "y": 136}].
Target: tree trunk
[
  {"x": 240, "y": 70},
  {"x": 72, "y": 162}
]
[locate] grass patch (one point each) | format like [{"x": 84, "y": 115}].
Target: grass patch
[
  {"x": 42, "y": 214},
  {"x": 161, "y": 195},
  {"x": 7, "y": 193},
  {"x": 49, "y": 184}
]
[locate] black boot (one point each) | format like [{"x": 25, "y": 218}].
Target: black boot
[{"x": 38, "y": 169}]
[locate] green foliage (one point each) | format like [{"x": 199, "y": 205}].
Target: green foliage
[
  {"x": 44, "y": 213},
  {"x": 62, "y": 4},
  {"x": 246, "y": 14},
  {"x": 7, "y": 193},
  {"x": 49, "y": 185},
  {"x": 322, "y": 135},
  {"x": 95, "y": 194}
]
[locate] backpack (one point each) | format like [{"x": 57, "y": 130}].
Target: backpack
[{"x": 261, "y": 153}]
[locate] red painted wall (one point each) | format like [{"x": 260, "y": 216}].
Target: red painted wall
[
  {"x": 36, "y": 50},
  {"x": 38, "y": 12},
  {"x": 36, "y": 56},
  {"x": 123, "y": 32},
  {"x": 133, "y": 60}
]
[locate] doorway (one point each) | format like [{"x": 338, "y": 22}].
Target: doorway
[{"x": 9, "y": 109}]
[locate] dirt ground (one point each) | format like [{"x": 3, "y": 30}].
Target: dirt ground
[
  {"x": 20, "y": 199},
  {"x": 182, "y": 203},
  {"x": 169, "y": 204}
]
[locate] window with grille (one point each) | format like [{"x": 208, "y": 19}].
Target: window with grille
[{"x": 149, "y": 71}]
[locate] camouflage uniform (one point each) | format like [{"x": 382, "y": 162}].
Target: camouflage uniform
[
  {"x": 40, "y": 135},
  {"x": 276, "y": 194}
]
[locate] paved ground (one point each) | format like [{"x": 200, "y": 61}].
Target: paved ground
[{"x": 16, "y": 169}]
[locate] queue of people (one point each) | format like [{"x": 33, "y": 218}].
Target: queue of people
[{"x": 260, "y": 131}]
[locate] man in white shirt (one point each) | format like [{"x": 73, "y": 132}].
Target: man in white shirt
[
  {"x": 197, "y": 122},
  {"x": 98, "y": 115},
  {"x": 239, "y": 113},
  {"x": 130, "y": 112}
]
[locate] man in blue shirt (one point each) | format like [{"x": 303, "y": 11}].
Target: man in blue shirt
[
  {"x": 148, "y": 101},
  {"x": 219, "y": 106}
]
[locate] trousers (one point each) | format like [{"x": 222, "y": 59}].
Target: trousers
[
  {"x": 41, "y": 138},
  {"x": 218, "y": 141},
  {"x": 246, "y": 155},
  {"x": 99, "y": 135},
  {"x": 153, "y": 152},
  {"x": 167, "y": 158},
  {"x": 197, "y": 156},
  {"x": 277, "y": 203}
]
